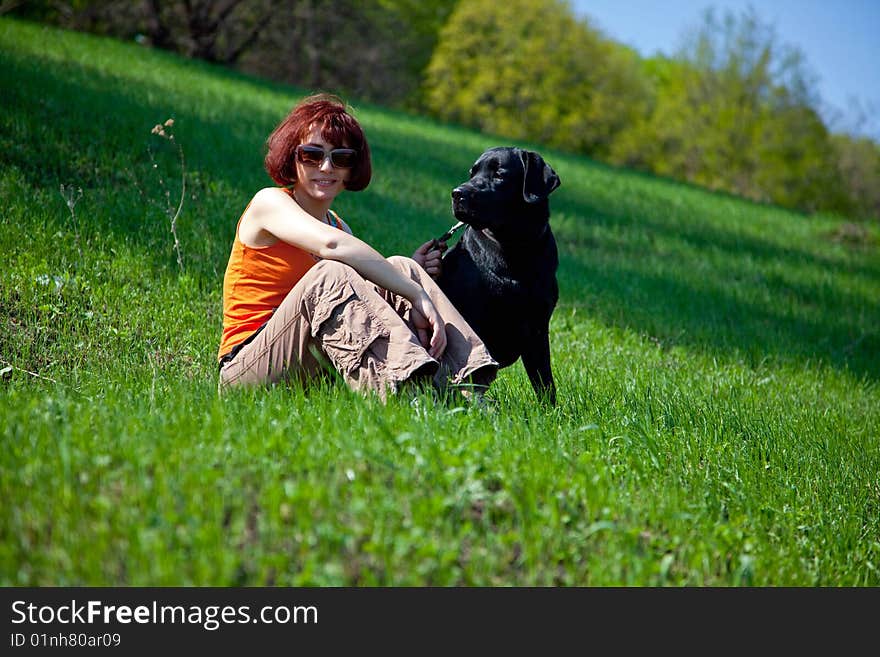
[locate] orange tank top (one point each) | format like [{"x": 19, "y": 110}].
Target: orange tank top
[{"x": 257, "y": 280}]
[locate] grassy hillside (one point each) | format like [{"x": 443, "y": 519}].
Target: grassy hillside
[{"x": 718, "y": 365}]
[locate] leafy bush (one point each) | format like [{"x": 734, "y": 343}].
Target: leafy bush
[{"x": 527, "y": 69}]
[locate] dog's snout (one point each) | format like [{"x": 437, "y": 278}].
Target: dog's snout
[{"x": 457, "y": 194}]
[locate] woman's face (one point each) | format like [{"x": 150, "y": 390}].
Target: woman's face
[{"x": 323, "y": 182}]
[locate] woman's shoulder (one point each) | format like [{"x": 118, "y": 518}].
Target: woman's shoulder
[
  {"x": 266, "y": 201},
  {"x": 270, "y": 196},
  {"x": 264, "y": 204}
]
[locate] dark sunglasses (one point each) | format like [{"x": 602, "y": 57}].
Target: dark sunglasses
[{"x": 314, "y": 156}]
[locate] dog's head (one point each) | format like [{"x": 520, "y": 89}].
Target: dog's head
[{"x": 506, "y": 193}]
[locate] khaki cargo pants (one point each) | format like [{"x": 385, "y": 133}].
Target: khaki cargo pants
[{"x": 334, "y": 316}]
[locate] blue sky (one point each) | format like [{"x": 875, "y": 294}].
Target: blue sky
[{"x": 840, "y": 40}]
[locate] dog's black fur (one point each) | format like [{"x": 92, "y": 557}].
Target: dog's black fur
[{"x": 501, "y": 275}]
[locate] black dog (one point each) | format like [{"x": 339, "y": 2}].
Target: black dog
[{"x": 501, "y": 275}]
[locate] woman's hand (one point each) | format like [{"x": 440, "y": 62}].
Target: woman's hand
[
  {"x": 429, "y": 326},
  {"x": 429, "y": 255}
]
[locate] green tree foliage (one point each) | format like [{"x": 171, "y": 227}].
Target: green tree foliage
[
  {"x": 527, "y": 69},
  {"x": 415, "y": 29},
  {"x": 735, "y": 111},
  {"x": 858, "y": 159}
]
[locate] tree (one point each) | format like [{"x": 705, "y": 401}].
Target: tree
[
  {"x": 858, "y": 159},
  {"x": 213, "y": 30},
  {"x": 374, "y": 49},
  {"x": 735, "y": 110},
  {"x": 527, "y": 69}
]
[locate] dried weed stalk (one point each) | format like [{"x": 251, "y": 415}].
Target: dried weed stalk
[
  {"x": 164, "y": 131},
  {"x": 72, "y": 196}
]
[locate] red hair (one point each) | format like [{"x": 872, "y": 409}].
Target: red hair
[{"x": 338, "y": 128}]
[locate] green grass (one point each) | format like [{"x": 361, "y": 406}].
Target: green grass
[{"x": 717, "y": 360}]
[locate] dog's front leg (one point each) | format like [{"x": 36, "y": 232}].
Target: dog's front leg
[{"x": 536, "y": 360}]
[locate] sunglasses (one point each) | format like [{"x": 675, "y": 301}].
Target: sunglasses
[{"x": 314, "y": 156}]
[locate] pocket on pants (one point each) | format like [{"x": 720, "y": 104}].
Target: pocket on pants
[{"x": 345, "y": 327}]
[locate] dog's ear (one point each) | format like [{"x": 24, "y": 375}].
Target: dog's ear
[{"x": 539, "y": 178}]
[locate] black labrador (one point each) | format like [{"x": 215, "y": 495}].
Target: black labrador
[{"x": 501, "y": 275}]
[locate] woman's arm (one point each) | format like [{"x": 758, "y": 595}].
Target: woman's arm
[{"x": 272, "y": 211}]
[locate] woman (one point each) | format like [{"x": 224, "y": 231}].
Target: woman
[{"x": 302, "y": 292}]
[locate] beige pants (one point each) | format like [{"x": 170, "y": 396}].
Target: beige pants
[{"x": 333, "y": 316}]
